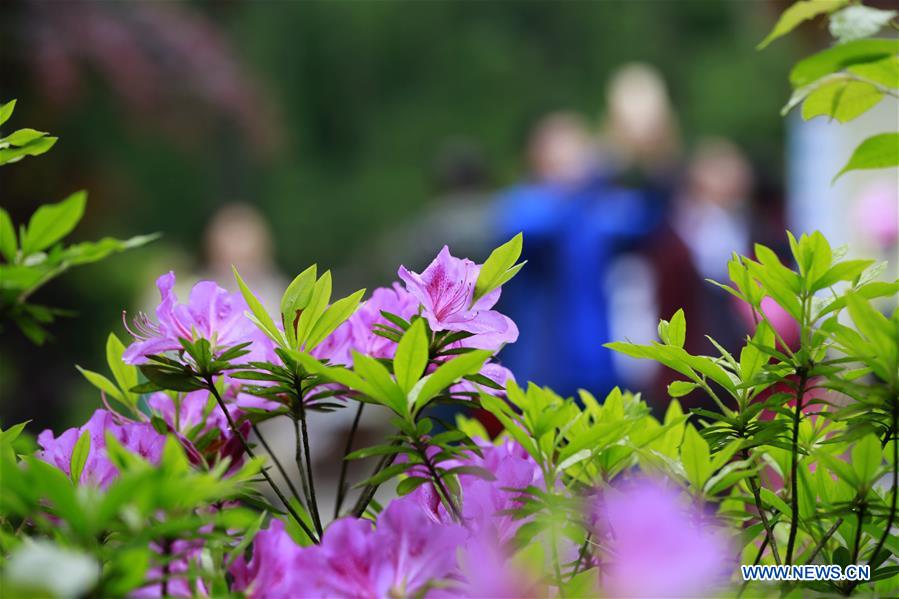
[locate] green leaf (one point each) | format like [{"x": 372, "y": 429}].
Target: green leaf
[
  {"x": 124, "y": 374},
  {"x": 103, "y": 384},
  {"x": 841, "y": 99},
  {"x": 695, "y": 457},
  {"x": 318, "y": 303},
  {"x": 7, "y": 237},
  {"x": 92, "y": 251},
  {"x": 677, "y": 329},
  {"x": 773, "y": 500},
  {"x": 867, "y": 457},
  {"x": 35, "y": 148},
  {"x": 498, "y": 268},
  {"x": 337, "y": 374},
  {"x": 6, "y": 111},
  {"x": 840, "y": 57},
  {"x": 80, "y": 453},
  {"x": 333, "y": 317},
  {"x": 448, "y": 373},
  {"x": 52, "y": 222},
  {"x": 367, "y": 452},
  {"x": 793, "y": 16},
  {"x": 170, "y": 380},
  {"x": 884, "y": 72},
  {"x": 295, "y": 299},
  {"x": 878, "y": 151},
  {"x": 681, "y": 388},
  {"x": 259, "y": 314},
  {"x": 384, "y": 387},
  {"x": 411, "y": 356},
  {"x": 858, "y": 21},
  {"x": 848, "y": 270},
  {"x": 751, "y": 357},
  {"x": 407, "y": 485},
  {"x": 23, "y": 137},
  {"x": 384, "y": 475}
]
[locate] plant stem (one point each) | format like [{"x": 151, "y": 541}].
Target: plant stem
[
  {"x": 313, "y": 502},
  {"x": 794, "y": 465},
  {"x": 824, "y": 540},
  {"x": 246, "y": 447},
  {"x": 301, "y": 466},
  {"x": 769, "y": 530},
  {"x": 166, "y": 551},
  {"x": 438, "y": 482},
  {"x": 368, "y": 493},
  {"x": 318, "y": 520},
  {"x": 344, "y": 465},
  {"x": 758, "y": 558},
  {"x": 892, "y": 516},
  {"x": 276, "y": 461},
  {"x": 856, "y": 545},
  {"x": 581, "y": 555},
  {"x": 556, "y": 567}
]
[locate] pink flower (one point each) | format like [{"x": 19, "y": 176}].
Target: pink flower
[
  {"x": 486, "y": 503},
  {"x": 211, "y": 313},
  {"x": 486, "y": 571},
  {"x": 445, "y": 290},
  {"x": 395, "y": 300},
  {"x": 141, "y": 438},
  {"x": 660, "y": 546},
  {"x": 198, "y": 415},
  {"x": 399, "y": 557},
  {"x": 270, "y": 572},
  {"x": 183, "y": 580},
  {"x": 493, "y": 371}
]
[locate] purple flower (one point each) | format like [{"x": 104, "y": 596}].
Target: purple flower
[
  {"x": 270, "y": 572},
  {"x": 495, "y": 372},
  {"x": 486, "y": 571},
  {"x": 211, "y": 313},
  {"x": 141, "y": 438},
  {"x": 485, "y": 503},
  {"x": 399, "y": 557},
  {"x": 198, "y": 415},
  {"x": 395, "y": 300},
  {"x": 181, "y": 581},
  {"x": 659, "y": 546},
  {"x": 445, "y": 290}
]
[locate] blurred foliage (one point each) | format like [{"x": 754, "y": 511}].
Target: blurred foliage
[{"x": 362, "y": 95}]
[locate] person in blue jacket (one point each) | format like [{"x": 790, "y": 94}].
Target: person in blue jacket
[{"x": 575, "y": 221}]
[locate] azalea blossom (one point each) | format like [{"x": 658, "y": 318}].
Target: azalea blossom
[
  {"x": 139, "y": 437},
  {"x": 659, "y": 545},
  {"x": 399, "y": 557},
  {"x": 492, "y": 370},
  {"x": 199, "y": 413},
  {"x": 486, "y": 503},
  {"x": 445, "y": 290},
  {"x": 211, "y": 313},
  {"x": 395, "y": 300},
  {"x": 179, "y": 583},
  {"x": 486, "y": 570}
]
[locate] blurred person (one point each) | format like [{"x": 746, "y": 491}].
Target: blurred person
[
  {"x": 641, "y": 135},
  {"x": 641, "y": 140},
  {"x": 238, "y": 236},
  {"x": 711, "y": 217},
  {"x": 575, "y": 221}
]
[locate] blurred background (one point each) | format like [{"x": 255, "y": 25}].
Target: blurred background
[{"x": 636, "y": 144}]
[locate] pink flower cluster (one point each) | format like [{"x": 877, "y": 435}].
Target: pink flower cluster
[
  {"x": 398, "y": 557},
  {"x": 211, "y": 313},
  {"x": 139, "y": 437}
]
